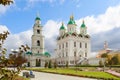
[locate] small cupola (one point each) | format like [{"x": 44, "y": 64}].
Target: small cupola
[
  {"x": 37, "y": 19},
  {"x": 71, "y": 21},
  {"x": 83, "y": 25},
  {"x": 62, "y": 26}
]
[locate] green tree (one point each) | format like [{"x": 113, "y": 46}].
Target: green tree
[
  {"x": 104, "y": 55},
  {"x": 55, "y": 64},
  {"x": 5, "y": 62},
  {"x": 115, "y": 60},
  {"x": 50, "y": 64},
  {"x": 67, "y": 64},
  {"x": 100, "y": 63},
  {"x": 46, "y": 64}
]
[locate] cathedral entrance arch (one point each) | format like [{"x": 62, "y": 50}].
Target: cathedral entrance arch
[
  {"x": 28, "y": 64},
  {"x": 38, "y": 62}
]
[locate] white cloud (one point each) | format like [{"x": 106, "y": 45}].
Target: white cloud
[
  {"x": 3, "y": 9},
  {"x": 51, "y": 28},
  {"x": 100, "y": 24},
  {"x": 3, "y": 28},
  {"x": 14, "y": 41},
  {"x": 32, "y": 3},
  {"x": 103, "y": 22}
]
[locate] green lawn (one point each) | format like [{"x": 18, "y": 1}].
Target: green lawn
[
  {"x": 21, "y": 78},
  {"x": 73, "y": 72}
]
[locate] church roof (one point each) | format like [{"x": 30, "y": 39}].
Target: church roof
[
  {"x": 47, "y": 54},
  {"x": 71, "y": 21},
  {"x": 62, "y": 26},
  {"x": 83, "y": 24},
  {"x": 29, "y": 53},
  {"x": 37, "y": 18},
  {"x": 38, "y": 54}
]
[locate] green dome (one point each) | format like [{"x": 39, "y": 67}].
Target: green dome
[
  {"x": 37, "y": 18},
  {"x": 83, "y": 25},
  {"x": 29, "y": 53},
  {"x": 62, "y": 27},
  {"x": 47, "y": 54},
  {"x": 71, "y": 21}
]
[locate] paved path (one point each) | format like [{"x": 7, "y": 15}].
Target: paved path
[
  {"x": 113, "y": 73},
  {"x": 48, "y": 76}
]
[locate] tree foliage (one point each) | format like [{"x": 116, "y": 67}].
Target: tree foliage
[
  {"x": 55, "y": 64},
  {"x": 18, "y": 60},
  {"x": 67, "y": 64},
  {"x": 6, "y": 2},
  {"x": 100, "y": 63},
  {"x": 115, "y": 60},
  {"x": 46, "y": 64},
  {"x": 104, "y": 55},
  {"x": 50, "y": 64},
  {"x": 111, "y": 59}
]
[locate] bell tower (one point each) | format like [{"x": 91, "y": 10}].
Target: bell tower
[{"x": 37, "y": 37}]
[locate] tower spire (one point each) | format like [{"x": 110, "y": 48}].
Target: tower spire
[
  {"x": 105, "y": 45},
  {"x": 38, "y": 14},
  {"x": 83, "y": 21},
  {"x": 71, "y": 17},
  {"x": 37, "y": 17},
  {"x": 62, "y": 23}
]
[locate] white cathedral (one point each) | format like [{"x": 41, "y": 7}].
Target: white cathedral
[
  {"x": 37, "y": 57},
  {"x": 72, "y": 47}
]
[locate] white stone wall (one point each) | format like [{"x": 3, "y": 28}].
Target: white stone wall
[
  {"x": 80, "y": 52},
  {"x": 71, "y": 28}
]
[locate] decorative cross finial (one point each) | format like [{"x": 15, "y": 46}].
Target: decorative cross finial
[
  {"x": 72, "y": 17},
  {"x": 38, "y": 14},
  {"x": 83, "y": 21},
  {"x": 62, "y": 23}
]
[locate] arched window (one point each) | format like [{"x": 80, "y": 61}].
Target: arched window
[
  {"x": 85, "y": 54},
  {"x": 80, "y": 45},
  {"x": 63, "y": 45},
  {"x": 66, "y": 44},
  {"x": 66, "y": 54},
  {"x": 38, "y": 43},
  {"x": 74, "y": 44},
  {"x": 75, "y": 54},
  {"x": 38, "y": 51},
  {"x": 85, "y": 45},
  {"x": 59, "y": 46},
  {"x": 38, "y": 31},
  {"x": 63, "y": 54}
]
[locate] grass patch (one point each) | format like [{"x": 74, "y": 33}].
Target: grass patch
[
  {"x": 21, "y": 78},
  {"x": 73, "y": 72}
]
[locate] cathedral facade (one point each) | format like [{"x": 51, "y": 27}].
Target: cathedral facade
[{"x": 72, "y": 47}]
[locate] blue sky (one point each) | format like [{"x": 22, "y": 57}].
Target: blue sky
[
  {"x": 101, "y": 18},
  {"x": 22, "y": 13}
]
